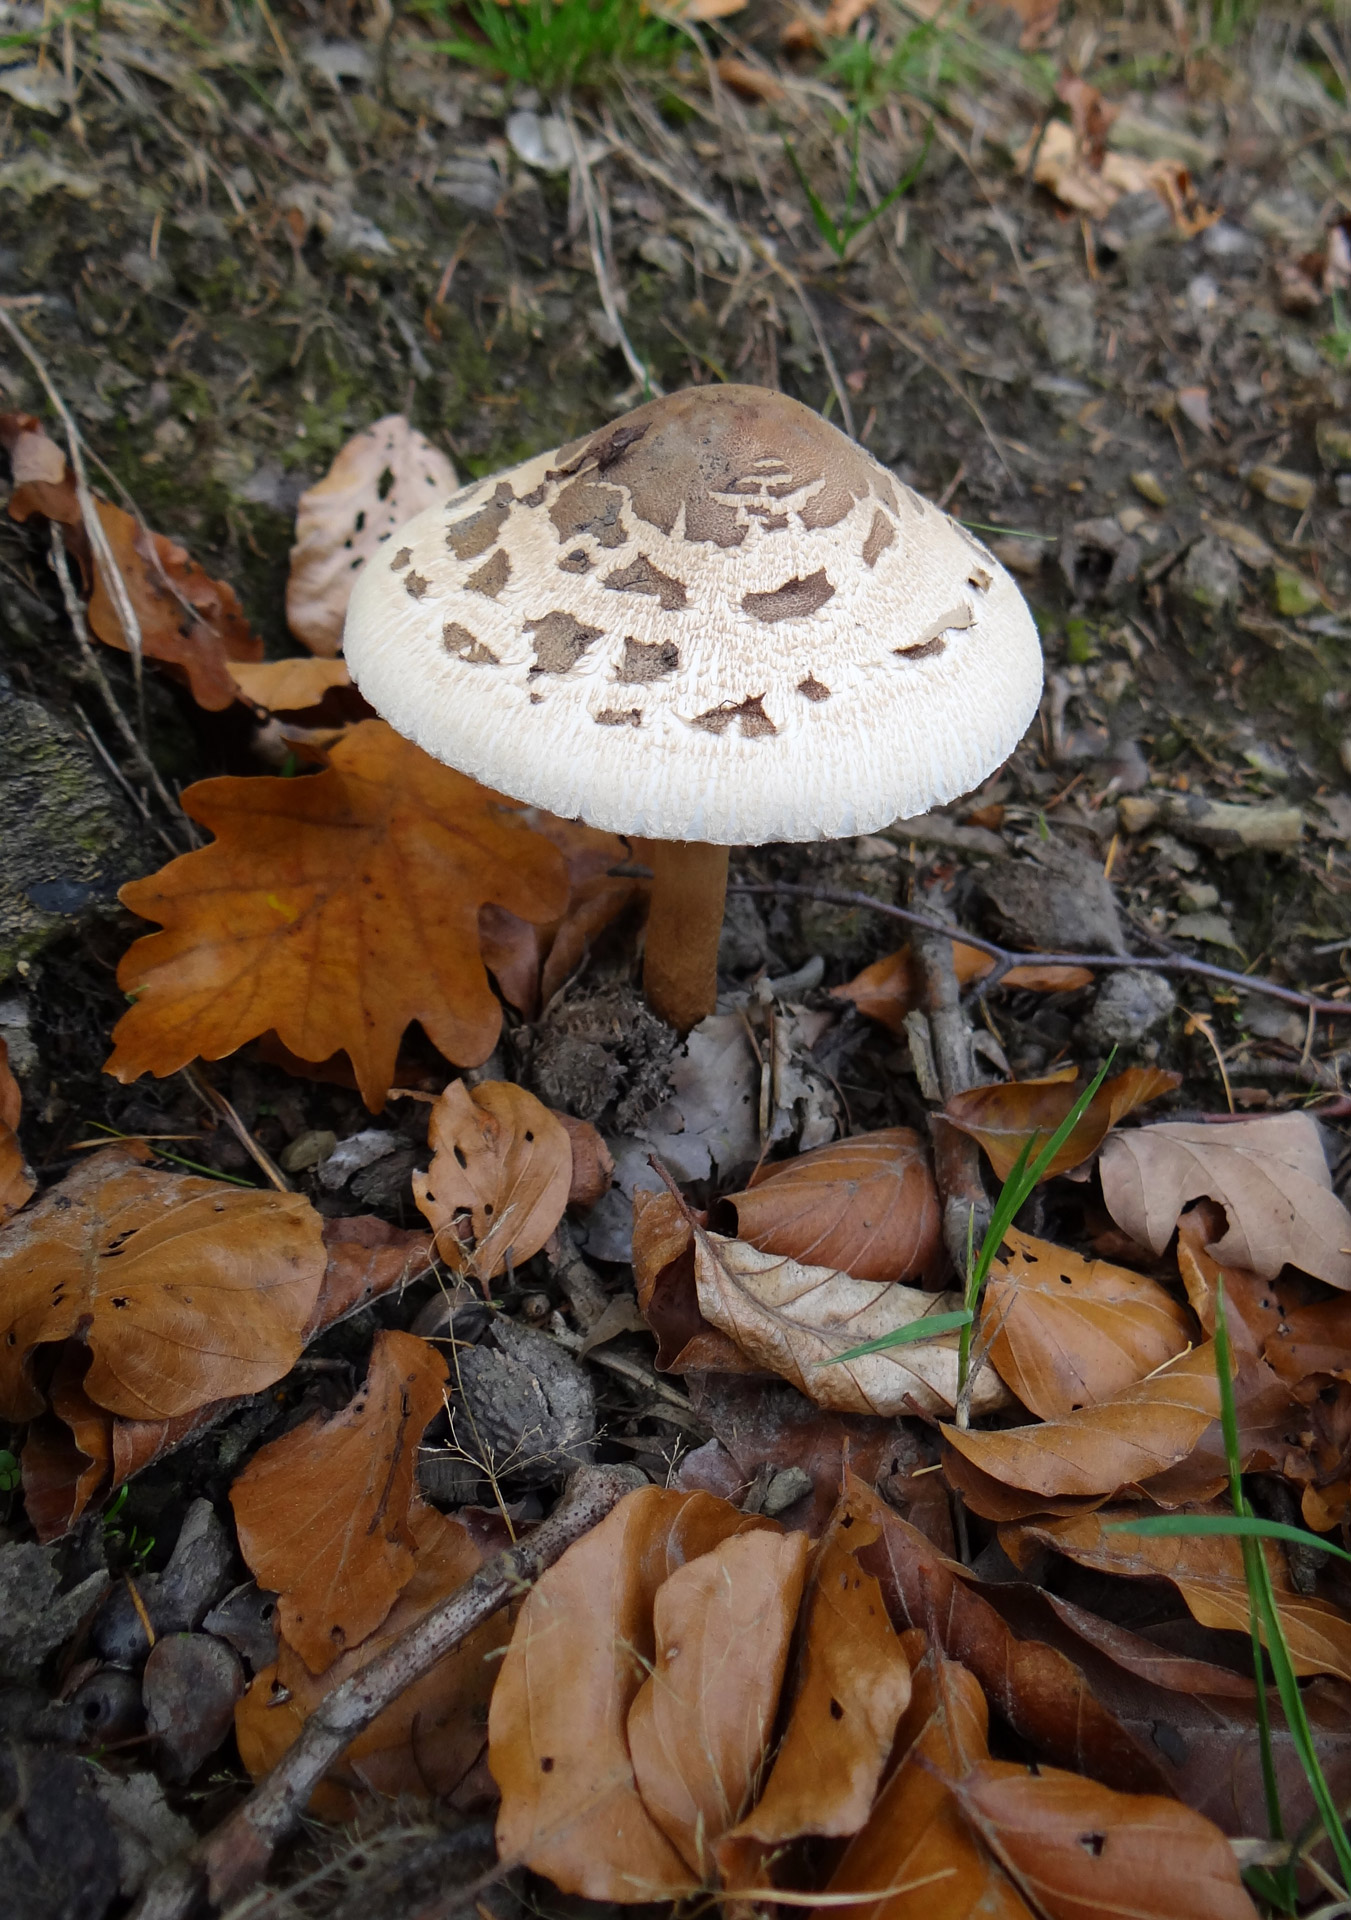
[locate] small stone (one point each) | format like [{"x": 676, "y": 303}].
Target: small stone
[
  {"x": 784, "y": 1490},
  {"x": 542, "y": 141},
  {"x": 1209, "y": 575},
  {"x": 1294, "y": 593},
  {"x": 1136, "y": 813},
  {"x": 190, "y": 1685},
  {"x": 358, "y": 1150},
  {"x": 1019, "y": 554},
  {"x": 1129, "y": 1005},
  {"x": 1282, "y": 486},
  {"x": 1131, "y": 519},
  {"x": 1333, "y": 439},
  {"x": 1199, "y": 896},
  {"x": 1250, "y": 547},
  {"x": 1149, "y": 487},
  {"x": 308, "y": 1150}
]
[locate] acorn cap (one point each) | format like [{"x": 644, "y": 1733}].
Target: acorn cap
[{"x": 715, "y": 619}]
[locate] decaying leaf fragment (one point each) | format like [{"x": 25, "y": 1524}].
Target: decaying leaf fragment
[
  {"x": 793, "y": 1320},
  {"x": 1065, "y": 1332},
  {"x": 1269, "y": 1175},
  {"x": 499, "y": 1179},
  {"x": 1004, "y": 1117},
  {"x": 185, "y": 1290},
  {"x": 333, "y": 910},
  {"x": 323, "y": 1512},
  {"x": 381, "y": 478},
  {"x": 16, "y": 1179},
  {"x": 889, "y": 989},
  {"x": 867, "y": 1205}
]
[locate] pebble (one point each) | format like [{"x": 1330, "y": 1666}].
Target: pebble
[
  {"x": 1149, "y": 487},
  {"x": 1282, "y": 486},
  {"x": 1129, "y": 1005}
]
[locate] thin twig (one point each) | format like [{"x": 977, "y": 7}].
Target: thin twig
[
  {"x": 213, "y": 1098},
  {"x": 98, "y": 539},
  {"x": 234, "y": 1857},
  {"x": 1006, "y": 958}
]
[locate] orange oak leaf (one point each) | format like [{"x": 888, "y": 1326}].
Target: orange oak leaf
[
  {"x": 500, "y": 1178},
  {"x": 333, "y": 909},
  {"x": 323, "y": 1512},
  {"x": 16, "y": 1180},
  {"x": 1003, "y": 1117},
  {"x": 185, "y": 1290}
]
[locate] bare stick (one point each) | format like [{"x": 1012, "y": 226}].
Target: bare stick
[
  {"x": 1006, "y": 958},
  {"x": 98, "y": 539},
  {"x": 234, "y": 1857},
  {"x": 966, "y": 1207}
]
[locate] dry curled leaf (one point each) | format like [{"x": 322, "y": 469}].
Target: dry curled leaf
[
  {"x": 1003, "y": 1118},
  {"x": 889, "y": 989},
  {"x": 1207, "y": 1570},
  {"x": 1065, "y": 1332},
  {"x": 16, "y": 1178},
  {"x": 499, "y": 1179},
  {"x": 381, "y": 478},
  {"x": 1118, "y": 1443},
  {"x": 192, "y": 623},
  {"x": 42, "y": 481},
  {"x": 322, "y": 1513},
  {"x": 529, "y": 963},
  {"x": 289, "y": 686},
  {"x": 428, "y": 1739},
  {"x": 185, "y": 1290},
  {"x": 793, "y": 1320},
  {"x": 1269, "y": 1175},
  {"x": 333, "y": 910},
  {"x": 663, "y": 1277},
  {"x": 867, "y": 1205},
  {"x": 583, "y": 1647}
]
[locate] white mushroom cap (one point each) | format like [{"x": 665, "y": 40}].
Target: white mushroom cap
[{"x": 716, "y": 619}]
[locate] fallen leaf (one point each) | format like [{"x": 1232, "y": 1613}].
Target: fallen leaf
[
  {"x": 382, "y": 477},
  {"x": 867, "y": 1205},
  {"x": 189, "y": 621},
  {"x": 583, "y": 1646},
  {"x": 42, "y": 481},
  {"x": 890, "y": 988},
  {"x": 427, "y": 1740},
  {"x": 332, "y": 909},
  {"x": 1099, "y": 1449},
  {"x": 531, "y": 963},
  {"x": 17, "y": 1184},
  {"x": 593, "y": 1167},
  {"x": 793, "y": 1320},
  {"x": 663, "y": 1277},
  {"x": 1078, "y": 1850},
  {"x": 916, "y": 1845},
  {"x": 67, "y": 1453},
  {"x": 1207, "y": 1570},
  {"x": 1064, "y": 1332},
  {"x": 288, "y": 686},
  {"x": 1004, "y": 1117},
  {"x": 750, "y": 81},
  {"x": 1061, "y": 162},
  {"x": 850, "y": 1687},
  {"x": 1269, "y": 1175},
  {"x": 700, "y": 1725},
  {"x": 499, "y": 1179},
  {"x": 1042, "y": 1694},
  {"x": 183, "y": 1289},
  {"x": 322, "y": 1513},
  {"x": 1310, "y": 1340}
]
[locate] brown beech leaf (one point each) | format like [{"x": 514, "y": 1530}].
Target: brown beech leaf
[
  {"x": 16, "y": 1179},
  {"x": 1269, "y": 1175},
  {"x": 663, "y": 1275},
  {"x": 1078, "y": 1850},
  {"x": 499, "y": 1179},
  {"x": 867, "y": 1206},
  {"x": 1004, "y": 1117},
  {"x": 192, "y": 623},
  {"x": 700, "y": 1725},
  {"x": 532, "y": 963},
  {"x": 1207, "y": 1570},
  {"x": 334, "y": 910},
  {"x": 67, "y": 1456},
  {"x": 1312, "y": 1339},
  {"x": 425, "y": 1743},
  {"x": 289, "y": 686},
  {"x": 1041, "y": 1693},
  {"x": 382, "y": 477},
  {"x": 1065, "y": 1332},
  {"x": 42, "y": 482},
  {"x": 1099, "y": 1449},
  {"x": 583, "y": 1646},
  {"x": 849, "y": 1690},
  {"x": 889, "y": 989},
  {"x": 322, "y": 1513},
  {"x": 917, "y": 1850},
  {"x": 185, "y": 1290},
  {"x": 793, "y": 1320}
]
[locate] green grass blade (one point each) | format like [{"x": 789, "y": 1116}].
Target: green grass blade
[
  {"x": 825, "y": 224},
  {"x": 1244, "y": 1525},
  {"x": 927, "y": 1328}
]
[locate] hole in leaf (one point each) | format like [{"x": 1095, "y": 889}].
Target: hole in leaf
[{"x": 384, "y": 484}]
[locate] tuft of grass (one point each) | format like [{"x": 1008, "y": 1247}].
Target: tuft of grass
[
  {"x": 555, "y": 45},
  {"x": 839, "y": 234}
]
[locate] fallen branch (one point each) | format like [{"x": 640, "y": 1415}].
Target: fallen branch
[
  {"x": 1006, "y": 958},
  {"x": 233, "y": 1858}
]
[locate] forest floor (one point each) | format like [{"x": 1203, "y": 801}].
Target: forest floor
[{"x": 1108, "y": 326}]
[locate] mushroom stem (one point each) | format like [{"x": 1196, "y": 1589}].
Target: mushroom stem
[{"x": 680, "y": 962}]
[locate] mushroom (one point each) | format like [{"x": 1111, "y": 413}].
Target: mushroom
[{"x": 715, "y": 622}]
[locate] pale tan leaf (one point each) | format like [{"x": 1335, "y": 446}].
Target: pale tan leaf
[
  {"x": 288, "y": 686},
  {"x": 793, "y": 1319},
  {"x": 381, "y": 478},
  {"x": 1269, "y": 1175},
  {"x": 499, "y": 1181}
]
